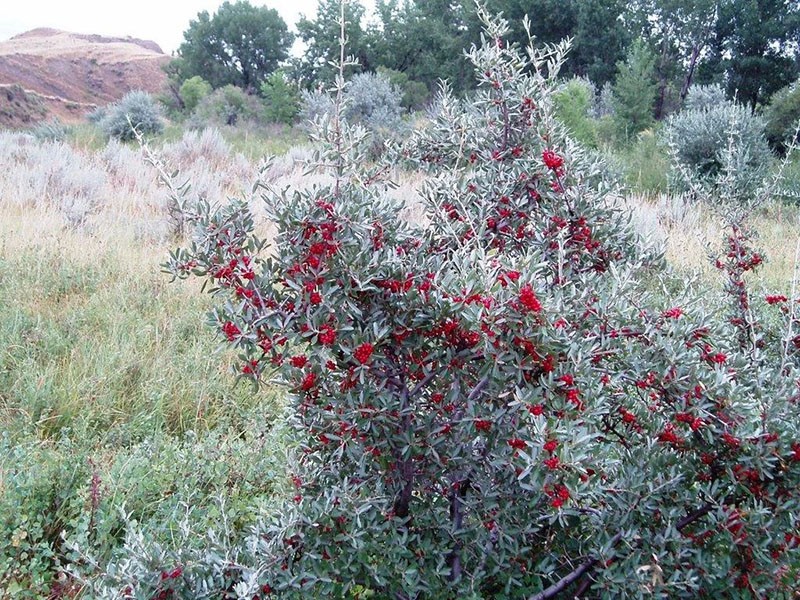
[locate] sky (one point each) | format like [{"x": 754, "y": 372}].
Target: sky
[{"x": 162, "y": 21}]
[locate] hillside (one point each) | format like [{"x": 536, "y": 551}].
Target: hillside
[{"x": 68, "y": 73}]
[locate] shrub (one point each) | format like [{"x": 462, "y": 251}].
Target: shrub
[
  {"x": 373, "y": 102},
  {"x": 722, "y": 140},
  {"x": 227, "y": 105},
  {"x": 497, "y": 405},
  {"x": 136, "y": 109},
  {"x": 705, "y": 97},
  {"x": 782, "y": 117},
  {"x": 281, "y": 99},
  {"x": 192, "y": 91},
  {"x": 574, "y": 105},
  {"x": 646, "y": 164},
  {"x": 415, "y": 94},
  {"x": 50, "y": 131},
  {"x": 38, "y": 499},
  {"x": 314, "y": 105}
]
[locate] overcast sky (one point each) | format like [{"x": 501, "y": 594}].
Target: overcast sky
[{"x": 162, "y": 21}]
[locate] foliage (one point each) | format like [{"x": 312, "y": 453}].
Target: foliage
[
  {"x": 369, "y": 100},
  {"x": 424, "y": 40},
  {"x": 782, "y": 117},
  {"x": 373, "y": 102},
  {"x": 634, "y": 91},
  {"x": 645, "y": 164},
  {"x": 496, "y": 405},
  {"x": 414, "y": 93},
  {"x": 50, "y": 131},
  {"x": 574, "y": 105},
  {"x": 281, "y": 99},
  {"x": 321, "y": 37},
  {"x": 678, "y": 32},
  {"x": 314, "y": 104},
  {"x": 600, "y": 38},
  {"x": 239, "y": 45},
  {"x": 227, "y": 105},
  {"x": 705, "y": 97},
  {"x": 719, "y": 141},
  {"x": 755, "y": 48},
  {"x": 137, "y": 110},
  {"x": 193, "y": 90}
]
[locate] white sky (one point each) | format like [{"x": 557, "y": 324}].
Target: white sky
[{"x": 162, "y": 21}]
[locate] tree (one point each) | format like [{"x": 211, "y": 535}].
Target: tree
[
  {"x": 601, "y": 40},
  {"x": 595, "y": 26},
  {"x": 634, "y": 91},
  {"x": 783, "y": 117},
  {"x": 281, "y": 99},
  {"x": 321, "y": 36},
  {"x": 239, "y": 45},
  {"x": 679, "y": 33},
  {"x": 757, "y": 47},
  {"x": 424, "y": 40}
]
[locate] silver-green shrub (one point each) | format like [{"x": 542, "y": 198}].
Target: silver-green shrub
[
  {"x": 137, "y": 110},
  {"x": 718, "y": 141},
  {"x": 704, "y": 97}
]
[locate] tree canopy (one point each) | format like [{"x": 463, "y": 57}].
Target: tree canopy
[{"x": 240, "y": 45}]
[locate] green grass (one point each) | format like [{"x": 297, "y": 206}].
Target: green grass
[
  {"x": 93, "y": 348},
  {"x": 108, "y": 372}
]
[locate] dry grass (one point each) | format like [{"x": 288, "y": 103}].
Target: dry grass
[{"x": 689, "y": 234}]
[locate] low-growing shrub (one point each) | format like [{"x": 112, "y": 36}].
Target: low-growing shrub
[
  {"x": 137, "y": 110},
  {"x": 50, "y": 131}
]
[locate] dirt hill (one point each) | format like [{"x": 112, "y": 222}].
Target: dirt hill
[{"x": 69, "y": 74}]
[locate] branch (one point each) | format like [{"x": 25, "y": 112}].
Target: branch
[
  {"x": 587, "y": 565},
  {"x": 479, "y": 387},
  {"x": 568, "y": 580}
]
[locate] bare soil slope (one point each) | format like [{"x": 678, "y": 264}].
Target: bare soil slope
[{"x": 71, "y": 73}]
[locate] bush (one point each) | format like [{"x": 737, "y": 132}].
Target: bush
[
  {"x": 782, "y": 117},
  {"x": 415, "y": 93},
  {"x": 192, "y": 91},
  {"x": 705, "y": 97},
  {"x": 373, "y": 102},
  {"x": 228, "y": 105},
  {"x": 136, "y": 109},
  {"x": 281, "y": 99},
  {"x": 51, "y": 131},
  {"x": 574, "y": 105},
  {"x": 721, "y": 141},
  {"x": 314, "y": 105},
  {"x": 498, "y": 405},
  {"x": 645, "y": 164},
  {"x": 370, "y": 101}
]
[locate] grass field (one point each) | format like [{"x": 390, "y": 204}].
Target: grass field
[{"x": 116, "y": 404}]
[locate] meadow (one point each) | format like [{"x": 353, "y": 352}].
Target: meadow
[{"x": 117, "y": 407}]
